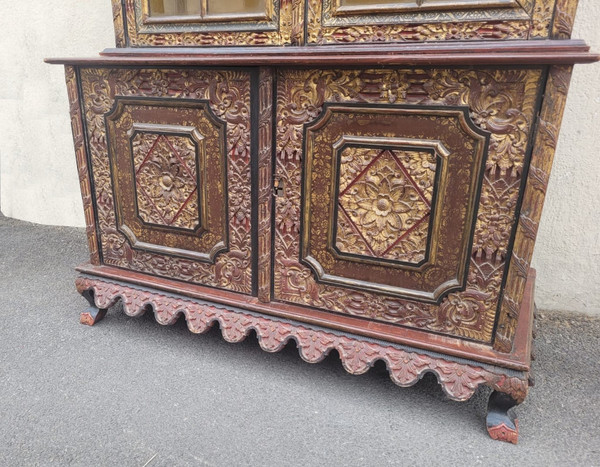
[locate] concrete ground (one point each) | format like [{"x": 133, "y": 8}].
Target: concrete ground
[{"x": 130, "y": 392}]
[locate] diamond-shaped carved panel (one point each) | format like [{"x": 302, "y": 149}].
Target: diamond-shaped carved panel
[
  {"x": 384, "y": 202},
  {"x": 166, "y": 179}
]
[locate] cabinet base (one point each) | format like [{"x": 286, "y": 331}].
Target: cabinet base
[{"x": 458, "y": 377}]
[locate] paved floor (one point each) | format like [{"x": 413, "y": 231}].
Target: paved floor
[{"x": 130, "y": 392}]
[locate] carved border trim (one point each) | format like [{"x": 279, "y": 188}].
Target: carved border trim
[
  {"x": 546, "y": 138},
  {"x": 118, "y": 23},
  {"x": 77, "y": 126},
  {"x": 265, "y": 182},
  {"x": 564, "y": 18},
  {"x": 458, "y": 379}
]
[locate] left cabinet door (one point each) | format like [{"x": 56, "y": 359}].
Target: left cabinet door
[{"x": 169, "y": 155}]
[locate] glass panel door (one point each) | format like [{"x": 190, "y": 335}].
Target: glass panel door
[{"x": 175, "y": 7}]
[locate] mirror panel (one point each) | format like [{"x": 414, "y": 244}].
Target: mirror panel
[
  {"x": 372, "y": 2},
  {"x": 235, "y": 7},
  {"x": 175, "y": 7}
]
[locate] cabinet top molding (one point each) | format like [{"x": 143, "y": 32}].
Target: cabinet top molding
[{"x": 543, "y": 52}]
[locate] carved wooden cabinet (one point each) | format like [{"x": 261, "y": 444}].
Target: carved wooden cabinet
[{"x": 380, "y": 199}]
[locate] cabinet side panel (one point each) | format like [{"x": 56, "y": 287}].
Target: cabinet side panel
[
  {"x": 265, "y": 180},
  {"x": 82, "y": 164},
  {"x": 533, "y": 201},
  {"x": 297, "y": 21}
]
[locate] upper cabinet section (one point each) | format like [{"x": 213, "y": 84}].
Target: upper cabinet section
[
  {"x": 172, "y": 23},
  {"x": 192, "y": 23}
]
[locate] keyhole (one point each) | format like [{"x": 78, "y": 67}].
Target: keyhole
[{"x": 278, "y": 187}]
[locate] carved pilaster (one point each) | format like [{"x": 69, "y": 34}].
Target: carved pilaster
[
  {"x": 82, "y": 164},
  {"x": 533, "y": 201},
  {"x": 265, "y": 182},
  {"x": 119, "y": 25},
  {"x": 564, "y": 18}
]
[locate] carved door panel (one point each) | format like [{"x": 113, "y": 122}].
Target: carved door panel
[
  {"x": 352, "y": 21},
  {"x": 400, "y": 188},
  {"x": 170, "y": 160}
]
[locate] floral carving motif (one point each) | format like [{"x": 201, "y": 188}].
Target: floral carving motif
[
  {"x": 384, "y": 206},
  {"x": 166, "y": 179},
  {"x": 458, "y": 380},
  {"x": 542, "y": 18}
]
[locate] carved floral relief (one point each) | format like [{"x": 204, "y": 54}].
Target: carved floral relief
[
  {"x": 228, "y": 94},
  {"x": 501, "y": 102},
  {"x": 166, "y": 179},
  {"x": 384, "y": 206}
]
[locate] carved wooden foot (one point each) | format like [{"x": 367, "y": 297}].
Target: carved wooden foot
[
  {"x": 92, "y": 314},
  {"x": 501, "y": 423}
]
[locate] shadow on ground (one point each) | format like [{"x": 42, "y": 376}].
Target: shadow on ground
[{"x": 128, "y": 391}]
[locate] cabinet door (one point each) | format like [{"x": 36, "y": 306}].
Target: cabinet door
[
  {"x": 206, "y": 22},
  {"x": 351, "y": 21},
  {"x": 170, "y": 161},
  {"x": 400, "y": 190}
]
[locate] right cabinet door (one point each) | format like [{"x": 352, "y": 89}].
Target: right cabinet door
[{"x": 400, "y": 191}]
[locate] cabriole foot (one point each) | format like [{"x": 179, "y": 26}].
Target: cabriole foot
[
  {"x": 501, "y": 422},
  {"x": 92, "y": 314}
]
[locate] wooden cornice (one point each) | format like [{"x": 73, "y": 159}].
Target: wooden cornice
[{"x": 527, "y": 52}]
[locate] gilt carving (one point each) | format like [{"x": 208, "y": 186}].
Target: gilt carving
[
  {"x": 228, "y": 93},
  {"x": 118, "y": 23},
  {"x": 81, "y": 155},
  {"x": 500, "y": 102},
  {"x": 166, "y": 179},
  {"x": 279, "y": 28},
  {"x": 265, "y": 182},
  {"x": 383, "y": 210}
]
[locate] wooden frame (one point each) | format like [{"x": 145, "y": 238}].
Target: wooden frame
[
  {"x": 135, "y": 27},
  {"x": 449, "y": 139},
  {"x": 419, "y": 5}
]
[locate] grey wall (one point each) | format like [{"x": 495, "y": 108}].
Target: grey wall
[{"x": 38, "y": 179}]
